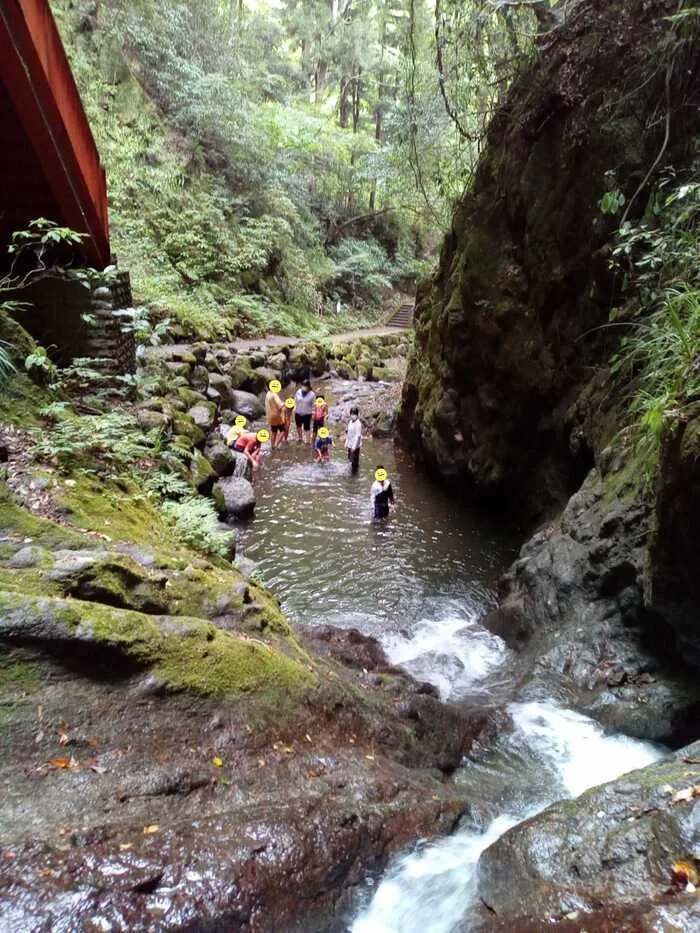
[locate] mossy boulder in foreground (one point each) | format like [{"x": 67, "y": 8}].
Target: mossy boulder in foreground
[{"x": 184, "y": 653}]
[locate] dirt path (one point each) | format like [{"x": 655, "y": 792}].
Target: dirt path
[
  {"x": 331, "y": 338},
  {"x": 278, "y": 341}
]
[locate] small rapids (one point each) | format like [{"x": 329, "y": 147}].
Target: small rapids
[
  {"x": 430, "y": 890},
  {"x": 419, "y": 584}
]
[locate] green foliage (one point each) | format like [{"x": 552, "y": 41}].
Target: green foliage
[
  {"x": 195, "y": 520},
  {"x": 611, "y": 202},
  {"x": 240, "y": 147},
  {"x": 7, "y": 367},
  {"x": 660, "y": 261},
  {"x": 110, "y": 442},
  {"x": 39, "y": 366},
  {"x": 43, "y": 233},
  {"x": 361, "y": 267}
]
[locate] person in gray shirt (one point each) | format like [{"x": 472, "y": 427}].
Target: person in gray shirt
[{"x": 303, "y": 408}]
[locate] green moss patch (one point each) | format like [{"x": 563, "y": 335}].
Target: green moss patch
[
  {"x": 21, "y": 401},
  {"x": 23, "y": 525},
  {"x": 185, "y": 653},
  {"x": 17, "y": 674},
  {"x": 119, "y": 512}
]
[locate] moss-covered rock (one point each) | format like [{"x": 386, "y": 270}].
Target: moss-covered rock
[
  {"x": 239, "y": 371},
  {"x": 189, "y": 397},
  {"x": 184, "y": 425},
  {"x": 117, "y": 580},
  {"x": 27, "y": 528},
  {"x": 16, "y": 341},
  {"x": 219, "y": 456},
  {"x": 202, "y": 473},
  {"x": 203, "y": 414},
  {"x": 184, "y": 653},
  {"x": 149, "y": 419},
  {"x": 511, "y": 327}
]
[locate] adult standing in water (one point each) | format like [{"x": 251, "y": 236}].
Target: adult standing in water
[
  {"x": 274, "y": 412},
  {"x": 303, "y": 409},
  {"x": 353, "y": 439},
  {"x": 381, "y": 493}
]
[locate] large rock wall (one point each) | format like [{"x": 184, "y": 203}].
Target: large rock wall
[{"x": 506, "y": 340}]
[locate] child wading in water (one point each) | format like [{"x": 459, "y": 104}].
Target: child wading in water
[
  {"x": 381, "y": 493},
  {"x": 322, "y": 446},
  {"x": 319, "y": 415},
  {"x": 288, "y": 411},
  {"x": 353, "y": 439}
]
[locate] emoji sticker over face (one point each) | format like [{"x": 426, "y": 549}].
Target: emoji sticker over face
[
  {"x": 263, "y": 435},
  {"x": 275, "y": 385},
  {"x": 380, "y": 475},
  {"x": 289, "y": 402},
  {"x": 323, "y": 432},
  {"x": 241, "y": 421}
]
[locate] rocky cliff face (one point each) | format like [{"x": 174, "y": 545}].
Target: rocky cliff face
[
  {"x": 502, "y": 394},
  {"x": 509, "y": 396}
]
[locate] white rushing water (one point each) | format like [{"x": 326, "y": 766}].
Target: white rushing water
[
  {"x": 453, "y": 652},
  {"x": 430, "y": 890}
]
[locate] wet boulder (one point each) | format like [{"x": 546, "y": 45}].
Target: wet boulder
[
  {"x": 203, "y": 414},
  {"x": 222, "y": 385},
  {"x": 219, "y": 456},
  {"x": 234, "y": 497},
  {"x": 615, "y": 845},
  {"x": 245, "y": 403},
  {"x": 202, "y": 472}
]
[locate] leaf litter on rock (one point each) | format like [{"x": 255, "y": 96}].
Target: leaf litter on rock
[{"x": 686, "y": 795}]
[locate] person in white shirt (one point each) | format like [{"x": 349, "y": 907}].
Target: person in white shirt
[
  {"x": 353, "y": 440},
  {"x": 381, "y": 493}
]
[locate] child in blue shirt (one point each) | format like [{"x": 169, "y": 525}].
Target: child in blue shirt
[{"x": 322, "y": 446}]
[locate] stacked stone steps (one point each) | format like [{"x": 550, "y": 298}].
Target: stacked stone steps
[{"x": 403, "y": 317}]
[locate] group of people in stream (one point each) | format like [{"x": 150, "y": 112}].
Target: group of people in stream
[{"x": 310, "y": 414}]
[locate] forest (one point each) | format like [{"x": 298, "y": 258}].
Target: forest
[{"x": 285, "y": 167}]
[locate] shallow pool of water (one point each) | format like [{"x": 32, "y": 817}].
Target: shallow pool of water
[{"x": 419, "y": 581}]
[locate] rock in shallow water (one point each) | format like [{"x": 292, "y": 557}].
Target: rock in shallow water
[{"x": 234, "y": 497}]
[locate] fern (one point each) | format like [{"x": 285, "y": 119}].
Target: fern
[{"x": 196, "y": 521}]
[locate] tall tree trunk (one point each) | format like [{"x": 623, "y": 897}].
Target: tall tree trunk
[
  {"x": 344, "y": 101},
  {"x": 356, "y": 98},
  {"x": 320, "y": 79}
]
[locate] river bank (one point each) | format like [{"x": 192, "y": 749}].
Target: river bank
[{"x": 183, "y": 756}]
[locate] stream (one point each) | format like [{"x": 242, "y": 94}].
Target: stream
[{"x": 419, "y": 583}]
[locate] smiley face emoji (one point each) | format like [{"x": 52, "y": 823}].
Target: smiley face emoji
[
  {"x": 275, "y": 385},
  {"x": 241, "y": 421},
  {"x": 263, "y": 435},
  {"x": 380, "y": 475},
  {"x": 289, "y": 402},
  {"x": 323, "y": 432}
]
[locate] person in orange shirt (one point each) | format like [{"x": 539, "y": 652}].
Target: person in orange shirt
[{"x": 274, "y": 412}]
